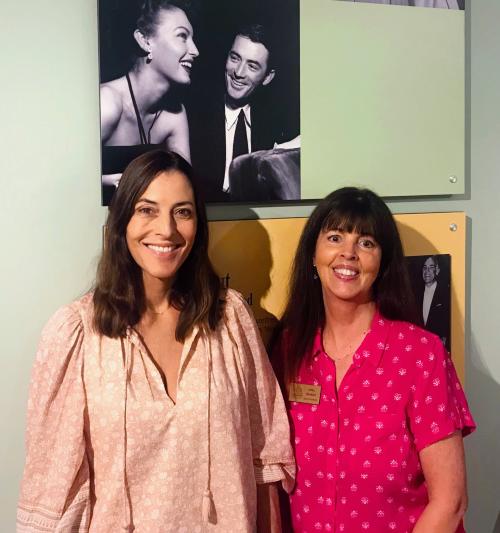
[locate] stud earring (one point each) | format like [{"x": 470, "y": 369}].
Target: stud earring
[{"x": 149, "y": 57}]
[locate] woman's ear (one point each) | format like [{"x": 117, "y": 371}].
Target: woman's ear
[{"x": 142, "y": 41}]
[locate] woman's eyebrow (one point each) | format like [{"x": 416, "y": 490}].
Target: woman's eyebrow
[
  {"x": 186, "y": 202},
  {"x": 145, "y": 200}
]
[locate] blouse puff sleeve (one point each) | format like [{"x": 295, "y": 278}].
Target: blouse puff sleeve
[
  {"x": 438, "y": 406},
  {"x": 272, "y": 451},
  {"x": 55, "y": 486}
]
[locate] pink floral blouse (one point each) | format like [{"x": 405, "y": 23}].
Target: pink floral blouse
[
  {"x": 357, "y": 449},
  {"x": 108, "y": 451}
]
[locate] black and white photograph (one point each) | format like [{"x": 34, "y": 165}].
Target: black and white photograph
[
  {"x": 431, "y": 281},
  {"x": 441, "y": 4},
  {"x": 216, "y": 81}
]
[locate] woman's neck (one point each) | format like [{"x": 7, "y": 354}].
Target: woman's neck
[
  {"x": 149, "y": 87},
  {"x": 345, "y": 319},
  {"x": 156, "y": 294}
]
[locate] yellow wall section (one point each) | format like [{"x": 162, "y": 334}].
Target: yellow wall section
[{"x": 254, "y": 257}]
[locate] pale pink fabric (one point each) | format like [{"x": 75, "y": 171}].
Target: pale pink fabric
[
  {"x": 357, "y": 451},
  {"x": 108, "y": 451}
]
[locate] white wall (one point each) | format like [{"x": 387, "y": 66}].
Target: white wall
[{"x": 52, "y": 221}]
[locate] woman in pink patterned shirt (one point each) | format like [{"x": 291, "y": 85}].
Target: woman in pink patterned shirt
[
  {"x": 153, "y": 407},
  {"x": 377, "y": 410}
]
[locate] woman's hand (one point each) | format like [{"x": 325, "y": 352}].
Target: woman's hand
[
  {"x": 268, "y": 509},
  {"x": 443, "y": 465}
]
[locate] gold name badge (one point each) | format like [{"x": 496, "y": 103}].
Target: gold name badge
[{"x": 300, "y": 392}]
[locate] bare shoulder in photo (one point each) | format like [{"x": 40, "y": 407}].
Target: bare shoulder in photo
[{"x": 146, "y": 58}]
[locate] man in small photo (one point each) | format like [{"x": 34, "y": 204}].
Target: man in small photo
[{"x": 435, "y": 300}]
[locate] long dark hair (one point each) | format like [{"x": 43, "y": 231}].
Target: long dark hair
[
  {"x": 119, "y": 299},
  {"x": 353, "y": 210}
]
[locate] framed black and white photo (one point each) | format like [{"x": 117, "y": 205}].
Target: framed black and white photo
[
  {"x": 431, "y": 281},
  {"x": 216, "y": 81}
]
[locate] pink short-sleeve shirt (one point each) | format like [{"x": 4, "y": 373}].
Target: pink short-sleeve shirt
[{"x": 357, "y": 450}]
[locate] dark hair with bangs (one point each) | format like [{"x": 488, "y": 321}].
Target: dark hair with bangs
[
  {"x": 353, "y": 210},
  {"x": 119, "y": 299}
]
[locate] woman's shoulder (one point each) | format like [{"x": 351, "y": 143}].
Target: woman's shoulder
[
  {"x": 236, "y": 311},
  {"x": 111, "y": 95},
  {"x": 410, "y": 339},
  {"x": 62, "y": 338},
  {"x": 70, "y": 317},
  {"x": 234, "y": 300}
]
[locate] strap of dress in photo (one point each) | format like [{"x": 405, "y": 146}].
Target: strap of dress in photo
[{"x": 142, "y": 133}]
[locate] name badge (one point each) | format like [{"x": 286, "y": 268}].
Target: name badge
[{"x": 300, "y": 392}]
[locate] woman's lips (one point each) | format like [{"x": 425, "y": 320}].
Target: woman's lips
[
  {"x": 345, "y": 273},
  {"x": 162, "y": 251}
]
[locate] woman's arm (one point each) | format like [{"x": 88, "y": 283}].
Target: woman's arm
[
  {"x": 55, "y": 489},
  {"x": 268, "y": 509},
  {"x": 443, "y": 465}
]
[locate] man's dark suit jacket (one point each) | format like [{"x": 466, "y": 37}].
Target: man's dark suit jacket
[
  {"x": 438, "y": 321},
  {"x": 208, "y": 141}
]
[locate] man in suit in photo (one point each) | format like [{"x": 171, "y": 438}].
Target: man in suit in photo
[
  {"x": 241, "y": 121},
  {"x": 435, "y": 301}
]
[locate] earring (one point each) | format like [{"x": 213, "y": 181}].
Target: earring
[
  {"x": 149, "y": 57},
  {"x": 315, "y": 272}
]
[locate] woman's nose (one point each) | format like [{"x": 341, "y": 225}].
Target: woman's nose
[
  {"x": 166, "y": 226},
  {"x": 193, "y": 49},
  {"x": 349, "y": 249}
]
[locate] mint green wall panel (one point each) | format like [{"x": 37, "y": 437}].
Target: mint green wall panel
[{"x": 382, "y": 98}]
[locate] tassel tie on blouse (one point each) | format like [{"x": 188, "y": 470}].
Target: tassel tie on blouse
[
  {"x": 208, "y": 513},
  {"x": 127, "y": 523}
]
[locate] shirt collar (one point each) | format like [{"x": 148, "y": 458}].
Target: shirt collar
[
  {"x": 372, "y": 347},
  {"x": 232, "y": 115},
  {"x": 431, "y": 287}
]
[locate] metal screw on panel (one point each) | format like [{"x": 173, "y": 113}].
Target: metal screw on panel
[
  {"x": 452, "y": 179},
  {"x": 453, "y": 227}
]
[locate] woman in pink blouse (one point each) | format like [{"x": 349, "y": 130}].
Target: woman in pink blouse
[
  {"x": 153, "y": 407},
  {"x": 377, "y": 410}
]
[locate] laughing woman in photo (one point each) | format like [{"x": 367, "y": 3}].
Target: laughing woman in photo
[
  {"x": 141, "y": 111},
  {"x": 153, "y": 406}
]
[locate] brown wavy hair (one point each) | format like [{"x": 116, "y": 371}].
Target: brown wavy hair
[
  {"x": 353, "y": 210},
  {"x": 119, "y": 299}
]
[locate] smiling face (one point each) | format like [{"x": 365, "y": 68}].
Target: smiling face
[
  {"x": 348, "y": 265},
  {"x": 246, "y": 70},
  {"x": 430, "y": 271},
  {"x": 162, "y": 229},
  {"x": 172, "y": 46}
]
